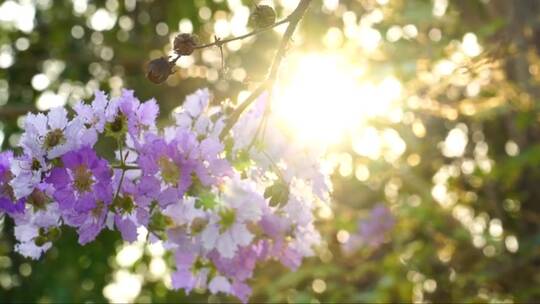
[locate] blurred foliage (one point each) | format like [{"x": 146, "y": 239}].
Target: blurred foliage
[{"x": 467, "y": 218}]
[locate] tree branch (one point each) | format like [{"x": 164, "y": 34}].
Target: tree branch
[
  {"x": 294, "y": 18},
  {"x": 255, "y": 32}
]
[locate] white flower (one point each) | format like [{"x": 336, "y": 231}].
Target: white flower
[
  {"x": 305, "y": 238},
  {"x": 240, "y": 204},
  {"x": 31, "y": 250},
  {"x": 26, "y": 175},
  {"x": 196, "y": 115},
  {"x": 93, "y": 116},
  {"x": 219, "y": 284},
  {"x": 27, "y": 227},
  {"x": 52, "y": 135},
  {"x": 184, "y": 212},
  {"x": 300, "y": 204}
]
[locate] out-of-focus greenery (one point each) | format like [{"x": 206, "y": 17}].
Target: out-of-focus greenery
[{"x": 465, "y": 192}]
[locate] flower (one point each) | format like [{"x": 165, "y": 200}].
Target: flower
[
  {"x": 188, "y": 274},
  {"x": 126, "y": 114},
  {"x": 27, "y": 173},
  {"x": 8, "y": 201},
  {"x": 219, "y": 284},
  {"x": 36, "y": 229},
  {"x": 372, "y": 231},
  {"x": 167, "y": 167},
  {"x": 93, "y": 116},
  {"x": 211, "y": 168},
  {"x": 50, "y": 136},
  {"x": 239, "y": 204},
  {"x": 241, "y": 266},
  {"x": 83, "y": 191},
  {"x": 177, "y": 182},
  {"x": 196, "y": 115}
]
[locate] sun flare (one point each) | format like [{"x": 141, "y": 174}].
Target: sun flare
[{"x": 323, "y": 97}]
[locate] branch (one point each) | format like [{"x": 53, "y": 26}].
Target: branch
[
  {"x": 9, "y": 112},
  {"x": 293, "y": 19},
  {"x": 255, "y": 32},
  {"x": 241, "y": 108}
]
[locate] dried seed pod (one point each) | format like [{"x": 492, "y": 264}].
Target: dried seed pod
[
  {"x": 263, "y": 16},
  {"x": 159, "y": 70},
  {"x": 184, "y": 44}
]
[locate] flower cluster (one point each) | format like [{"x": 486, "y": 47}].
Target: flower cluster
[
  {"x": 372, "y": 231},
  {"x": 219, "y": 206}
]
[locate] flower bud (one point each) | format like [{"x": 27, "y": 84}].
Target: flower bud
[
  {"x": 184, "y": 44},
  {"x": 40, "y": 240},
  {"x": 54, "y": 234},
  {"x": 159, "y": 70},
  {"x": 263, "y": 16}
]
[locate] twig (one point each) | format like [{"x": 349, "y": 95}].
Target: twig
[
  {"x": 262, "y": 124},
  {"x": 241, "y": 108},
  {"x": 294, "y": 18},
  {"x": 126, "y": 167},
  {"x": 221, "y": 42},
  {"x": 220, "y": 46},
  {"x": 13, "y": 112}
]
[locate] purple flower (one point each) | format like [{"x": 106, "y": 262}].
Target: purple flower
[
  {"x": 127, "y": 227},
  {"x": 8, "y": 202},
  {"x": 372, "y": 231},
  {"x": 241, "y": 290},
  {"x": 83, "y": 191},
  {"x": 139, "y": 117},
  {"x": 280, "y": 250},
  {"x": 212, "y": 168},
  {"x": 167, "y": 167},
  {"x": 187, "y": 276}
]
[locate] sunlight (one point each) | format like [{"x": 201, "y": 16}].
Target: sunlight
[{"x": 325, "y": 98}]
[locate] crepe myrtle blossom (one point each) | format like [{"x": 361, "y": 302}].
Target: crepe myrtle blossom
[
  {"x": 238, "y": 205},
  {"x": 222, "y": 206},
  {"x": 127, "y": 114},
  {"x": 129, "y": 209},
  {"x": 190, "y": 272},
  {"x": 93, "y": 117},
  {"x": 275, "y": 147},
  {"x": 167, "y": 167},
  {"x": 35, "y": 231},
  {"x": 373, "y": 230},
  {"x": 83, "y": 191},
  {"x": 197, "y": 115},
  {"x": 8, "y": 202},
  {"x": 50, "y": 135},
  {"x": 27, "y": 174},
  {"x": 38, "y": 226}
]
